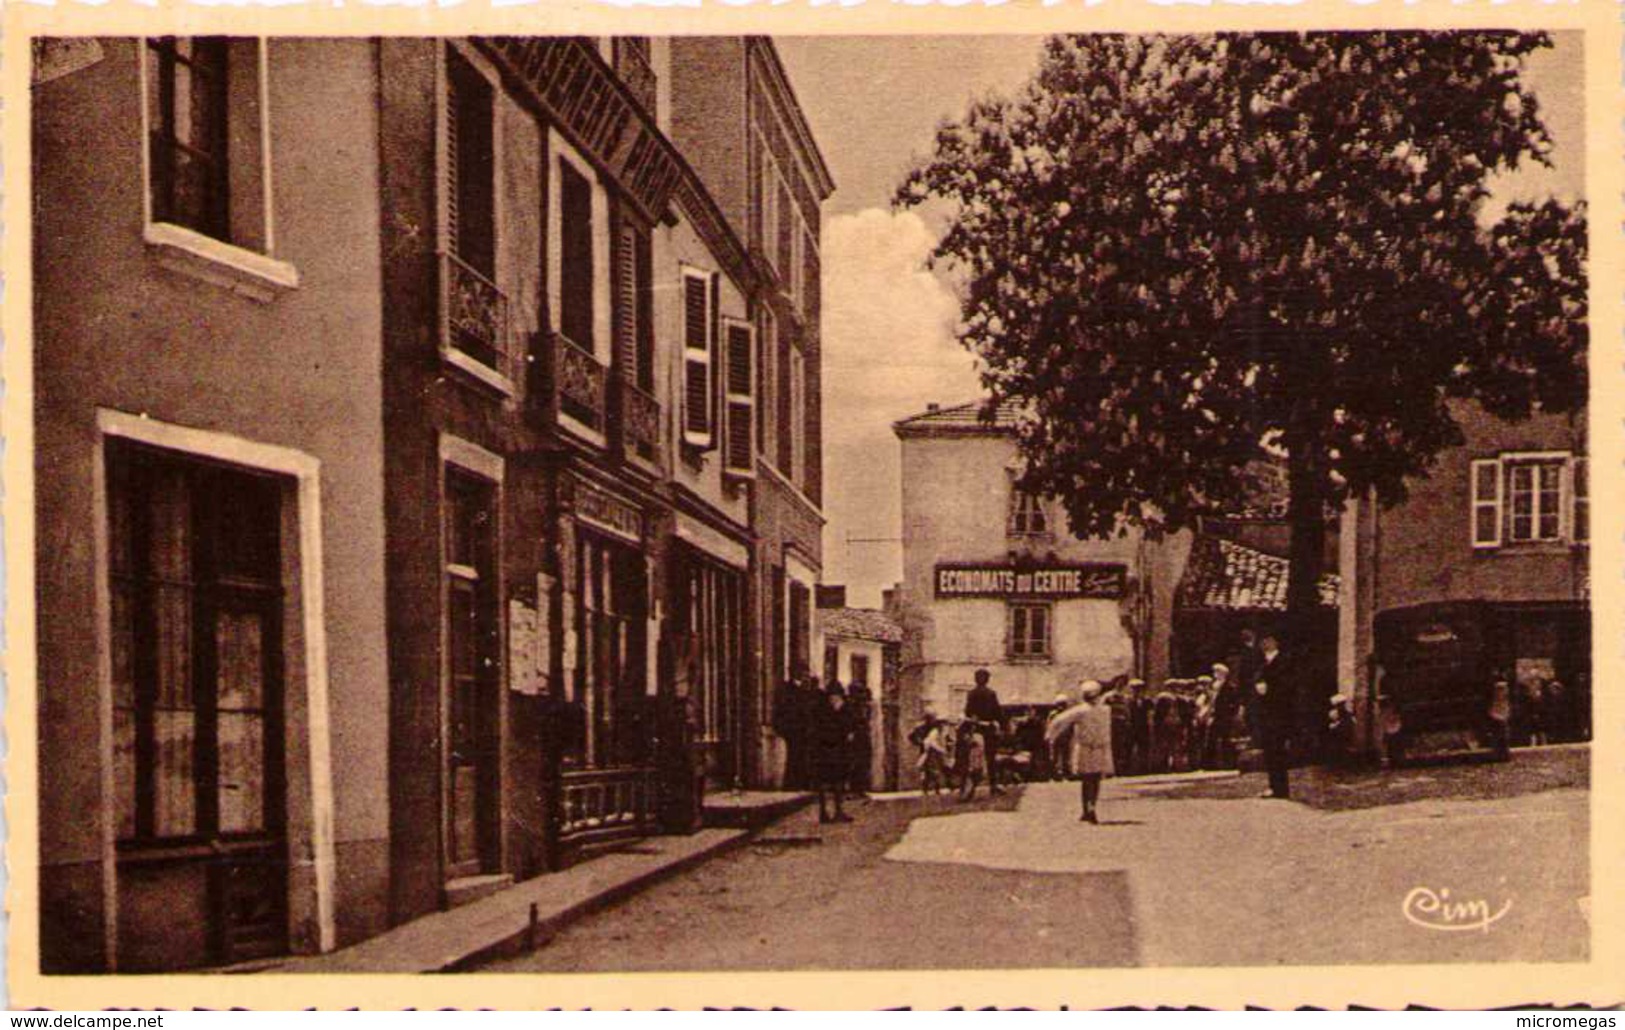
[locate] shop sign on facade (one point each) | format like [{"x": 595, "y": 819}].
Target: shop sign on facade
[
  {"x": 610, "y": 514},
  {"x": 1087, "y": 581}
]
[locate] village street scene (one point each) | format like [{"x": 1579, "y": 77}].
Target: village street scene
[{"x": 542, "y": 504}]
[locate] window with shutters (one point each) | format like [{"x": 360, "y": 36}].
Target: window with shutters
[
  {"x": 738, "y": 357},
  {"x": 634, "y": 330},
  {"x": 1529, "y": 499},
  {"x": 474, "y": 308},
  {"x": 698, "y": 388},
  {"x": 1534, "y": 500}
]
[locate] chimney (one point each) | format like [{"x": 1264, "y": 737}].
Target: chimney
[
  {"x": 933, "y": 406},
  {"x": 831, "y": 595}
]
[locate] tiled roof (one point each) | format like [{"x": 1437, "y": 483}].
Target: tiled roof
[
  {"x": 962, "y": 418},
  {"x": 861, "y": 624},
  {"x": 1223, "y": 575}
]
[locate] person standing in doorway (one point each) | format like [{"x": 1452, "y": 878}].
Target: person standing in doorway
[
  {"x": 832, "y": 754},
  {"x": 987, "y": 717},
  {"x": 1273, "y": 691},
  {"x": 1089, "y": 724}
]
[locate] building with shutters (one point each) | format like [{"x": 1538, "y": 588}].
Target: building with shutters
[
  {"x": 736, "y": 120},
  {"x": 1504, "y": 518},
  {"x": 503, "y": 345}
]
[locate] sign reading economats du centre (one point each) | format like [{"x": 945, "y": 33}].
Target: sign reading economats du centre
[{"x": 1038, "y": 583}]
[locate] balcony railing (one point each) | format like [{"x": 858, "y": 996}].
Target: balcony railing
[
  {"x": 576, "y": 383},
  {"x": 473, "y": 313},
  {"x": 637, "y": 418}
]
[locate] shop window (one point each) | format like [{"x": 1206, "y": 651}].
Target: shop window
[
  {"x": 196, "y": 589},
  {"x": 1029, "y": 630}
]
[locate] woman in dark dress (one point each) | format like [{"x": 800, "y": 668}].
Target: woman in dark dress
[{"x": 832, "y": 732}]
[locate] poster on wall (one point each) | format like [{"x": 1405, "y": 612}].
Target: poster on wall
[{"x": 524, "y": 646}]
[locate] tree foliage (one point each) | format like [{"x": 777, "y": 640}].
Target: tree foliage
[{"x": 1183, "y": 253}]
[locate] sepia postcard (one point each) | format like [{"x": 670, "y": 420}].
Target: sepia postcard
[{"x": 822, "y": 506}]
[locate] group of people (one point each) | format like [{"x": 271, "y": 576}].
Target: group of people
[
  {"x": 964, "y": 754},
  {"x": 1126, "y": 728},
  {"x": 828, "y": 747},
  {"x": 1545, "y": 710}
]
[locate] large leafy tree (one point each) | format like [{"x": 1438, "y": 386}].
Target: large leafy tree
[{"x": 1186, "y": 254}]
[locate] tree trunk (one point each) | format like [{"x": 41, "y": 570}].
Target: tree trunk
[{"x": 1306, "y": 511}]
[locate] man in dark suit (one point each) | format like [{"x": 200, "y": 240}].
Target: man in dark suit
[
  {"x": 1273, "y": 689},
  {"x": 982, "y": 705}
]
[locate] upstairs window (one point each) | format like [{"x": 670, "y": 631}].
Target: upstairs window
[
  {"x": 798, "y": 418},
  {"x": 1535, "y": 490},
  {"x": 470, "y": 167},
  {"x": 740, "y": 452},
  {"x": 205, "y": 137},
  {"x": 1536, "y": 498},
  {"x": 1029, "y": 630},
  {"x": 1027, "y": 516},
  {"x": 576, "y": 313}
]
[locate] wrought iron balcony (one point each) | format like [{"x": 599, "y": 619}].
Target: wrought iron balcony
[
  {"x": 573, "y": 382},
  {"x": 473, "y": 313},
  {"x": 637, "y": 421}
]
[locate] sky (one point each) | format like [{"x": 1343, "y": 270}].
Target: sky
[{"x": 889, "y": 345}]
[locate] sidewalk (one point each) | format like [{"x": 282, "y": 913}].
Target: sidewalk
[{"x": 502, "y": 924}]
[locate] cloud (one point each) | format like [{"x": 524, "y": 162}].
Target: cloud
[{"x": 888, "y": 350}]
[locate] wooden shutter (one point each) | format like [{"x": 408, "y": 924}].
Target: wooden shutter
[
  {"x": 697, "y": 386},
  {"x": 1488, "y": 490},
  {"x": 626, "y": 312},
  {"x": 739, "y": 452},
  {"x": 451, "y": 184},
  {"x": 1580, "y": 501}
]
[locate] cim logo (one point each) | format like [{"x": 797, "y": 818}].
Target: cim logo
[{"x": 1436, "y": 910}]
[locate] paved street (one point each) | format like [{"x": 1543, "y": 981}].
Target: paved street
[{"x": 1185, "y": 874}]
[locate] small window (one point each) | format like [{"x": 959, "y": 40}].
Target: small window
[
  {"x": 1027, "y": 516},
  {"x": 1030, "y": 630},
  {"x": 205, "y": 137}
]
